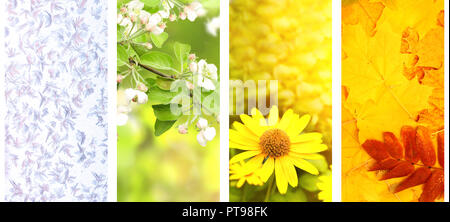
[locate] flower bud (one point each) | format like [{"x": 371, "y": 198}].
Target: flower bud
[
  {"x": 189, "y": 85},
  {"x": 133, "y": 18},
  {"x": 123, "y": 10},
  {"x": 183, "y": 15},
  {"x": 148, "y": 45},
  {"x": 120, "y": 78},
  {"x": 172, "y": 17},
  {"x": 191, "y": 57},
  {"x": 182, "y": 129},
  {"x": 142, "y": 87}
]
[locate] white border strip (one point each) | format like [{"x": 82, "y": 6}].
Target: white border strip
[
  {"x": 224, "y": 100},
  {"x": 2, "y": 104},
  {"x": 112, "y": 101},
  {"x": 446, "y": 102},
  {"x": 336, "y": 104}
]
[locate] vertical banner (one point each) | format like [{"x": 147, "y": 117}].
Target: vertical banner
[
  {"x": 168, "y": 87},
  {"x": 280, "y": 100},
  {"x": 56, "y": 100},
  {"x": 393, "y": 100}
]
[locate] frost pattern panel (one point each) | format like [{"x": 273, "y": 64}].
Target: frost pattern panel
[{"x": 56, "y": 98}]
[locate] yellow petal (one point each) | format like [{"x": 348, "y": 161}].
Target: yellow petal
[
  {"x": 253, "y": 164},
  {"x": 281, "y": 179},
  {"x": 255, "y": 126},
  {"x": 237, "y": 137},
  {"x": 285, "y": 120},
  {"x": 308, "y": 156},
  {"x": 267, "y": 169},
  {"x": 305, "y": 165},
  {"x": 298, "y": 126},
  {"x": 256, "y": 114},
  {"x": 240, "y": 182},
  {"x": 241, "y": 128},
  {"x": 306, "y": 137},
  {"x": 273, "y": 116},
  {"x": 289, "y": 171},
  {"x": 308, "y": 147},
  {"x": 239, "y": 146},
  {"x": 243, "y": 156}
]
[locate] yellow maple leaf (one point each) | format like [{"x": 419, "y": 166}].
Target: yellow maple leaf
[
  {"x": 362, "y": 12},
  {"x": 378, "y": 96},
  {"x": 415, "y": 14}
]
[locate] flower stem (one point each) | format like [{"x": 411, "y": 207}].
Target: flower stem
[{"x": 269, "y": 188}]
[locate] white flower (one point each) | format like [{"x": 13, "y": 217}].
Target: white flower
[
  {"x": 207, "y": 74},
  {"x": 154, "y": 20},
  {"x": 122, "y": 119},
  {"x": 202, "y": 123},
  {"x": 193, "y": 10},
  {"x": 182, "y": 129},
  {"x": 154, "y": 26},
  {"x": 122, "y": 116},
  {"x": 193, "y": 67},
  {"x": 135, "y": 5},
  {"x": 136, "y": 96},
  {"x": 164, "y": 14},
  {"x": 144, "y": 17},
  {"x": 213, "y": 26},
  {"x": 158, "y": 29},
  {"x": 130, "y": 94},
  {"x": 142, "y": 97},
  {"x": 206, "y": 135},
  {"x": 123, "y": 21}
]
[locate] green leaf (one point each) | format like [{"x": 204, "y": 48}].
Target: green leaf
[
  {"x": 158, "y": 60},
  {"x": 120, "y": 3},
  {"x": 151, "y": 3},
  {"x": 181, "y": 53},
  {"x": 158, "y": 40},
  {"x": 159, "y": 96},
  {"x": 163, "y": 112},
  {"x": 162, "y": 126},
  {"x": 164, "y": 84},
  {"x": 143, "y": 38},
  {"x": 309, "y": 182},
  {"x": 120, "y": 30},
  {"x": 122, "y": 55}
]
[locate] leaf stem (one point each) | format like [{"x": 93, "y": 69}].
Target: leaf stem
[{"x": 270, "y": 188}]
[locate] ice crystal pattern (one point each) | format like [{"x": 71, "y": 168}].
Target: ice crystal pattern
[{"x": 56, "y": 100}]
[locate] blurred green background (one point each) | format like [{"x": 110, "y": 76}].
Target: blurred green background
[{"x": 171, "y": 167}]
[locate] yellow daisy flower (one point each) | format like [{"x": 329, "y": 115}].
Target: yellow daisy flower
[
  {"x": 279, "y": 145},
  {"x": 238, "y": 172}
]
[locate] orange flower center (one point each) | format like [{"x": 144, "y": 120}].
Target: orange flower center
[{"x": 275, "y": 143}]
